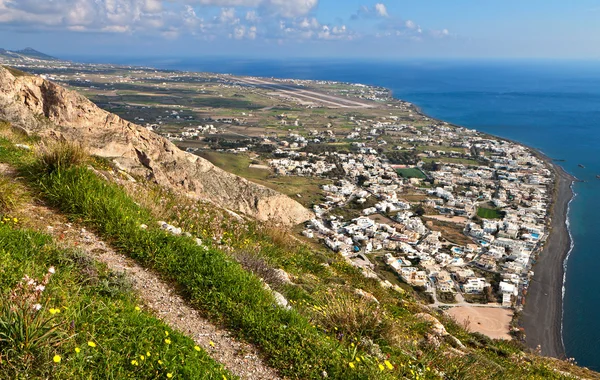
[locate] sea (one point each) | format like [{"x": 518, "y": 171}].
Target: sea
[{"x": 551, "y": 105}]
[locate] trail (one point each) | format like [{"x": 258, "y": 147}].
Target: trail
[{"x": 240, "y": 358}]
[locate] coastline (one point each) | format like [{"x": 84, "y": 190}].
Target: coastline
[
  {"x": 542, "y": 314},
  {"x": 543, "y": 311}
]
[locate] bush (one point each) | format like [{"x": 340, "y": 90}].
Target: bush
[
  {"x": 9, "y": 196},
  {"x": 349, "y": 315},
  {"x": 60, "y": 155},
  {"x": 26, "y": 328}
]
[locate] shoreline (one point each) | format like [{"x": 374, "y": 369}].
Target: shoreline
[{"x": 542, "y": 314}]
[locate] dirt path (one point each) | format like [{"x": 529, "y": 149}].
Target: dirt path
[{"x": 240, "y": 358}]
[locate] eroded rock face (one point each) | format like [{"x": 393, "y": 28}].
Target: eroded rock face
[
  {"x": 42, "y": 107},
  {"x": 437, "y": 328}
]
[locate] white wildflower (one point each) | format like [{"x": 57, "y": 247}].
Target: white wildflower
[
  {"x": 37, "y": 307},
  {"x": 40, "y": 288},
  {"x": 51, "y": 270}
]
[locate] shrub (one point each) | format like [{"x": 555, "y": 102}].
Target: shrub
[
  {"x": 60, "y": 155},
  {"x": 26, "y": 326},
  {"x": 349, "y": 315},
  {"x": 9, "y": 196},
  {"x": 257, "y": 265}
]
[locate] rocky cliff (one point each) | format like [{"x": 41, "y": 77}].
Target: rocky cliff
[{"x": 53, "y": 112}]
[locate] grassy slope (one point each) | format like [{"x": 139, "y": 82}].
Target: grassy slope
[{"x": 95, "y": 306}]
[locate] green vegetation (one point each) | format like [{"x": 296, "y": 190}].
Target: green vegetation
[
  {"x": 488, "y": 213},
  {"x": 308, "y": 188},
  {"x": 411, "y": 173},
  {"x": 64, "y": 316},
  {"x": 214, "y": 283}
]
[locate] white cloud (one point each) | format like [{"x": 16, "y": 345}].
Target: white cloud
[
  {"x": 252, "y": 16},
  {"x": 81, "y": 15},
  {"x": 283, "y": 8},
  {"x": 227, "y": 15},
  {"x": 381, "y": 10}
]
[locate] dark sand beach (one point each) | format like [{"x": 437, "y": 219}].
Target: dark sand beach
[{"x": 542, "y": 314}]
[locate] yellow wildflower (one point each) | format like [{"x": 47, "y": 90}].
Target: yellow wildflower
[
  {"x": 77, "y": 349},
  {"x": 137, "y": 308},
  {"x": 54, "y": 311},
  {"x": 169, "y": 375},
  {"x": 212, "y": 344},
  {"x": 168, "y": 341},
  {"x": 166, "y": 333},
  {"x": 142, "y": 357},
  {"x": 196, "y": 348},
  {"x": 357, "y": 359},
  {"x": 91, "y": 344},
  {"x": 381, "y": 367},
  {"x": 134, "y": 362},
  {"x": 389, "y": 365},
  {"x": 148, "y": 353},
  {"x": 351, "y": 365},
  {"x": 56, "y": 358}
]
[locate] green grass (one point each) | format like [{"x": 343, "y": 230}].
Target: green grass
[
  {"x": 411, "y": 173},
  {"x": 309, "y": 188},
  {"x": 488, "y": 213},
  {"x": 212, "y": 281},
  {"x": 94, "y": 306}
]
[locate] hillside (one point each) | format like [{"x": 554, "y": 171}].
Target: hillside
[
  {"x": 114, "y": 243},
  {"x": 41, "y": 107}
]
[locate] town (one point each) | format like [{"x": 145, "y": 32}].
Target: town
[{"x": 498, "y": 193}]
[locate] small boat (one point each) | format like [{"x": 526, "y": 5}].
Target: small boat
[{"x": 581, "y": 166}]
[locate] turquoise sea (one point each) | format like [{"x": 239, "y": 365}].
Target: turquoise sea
[{"x": 550, "y": 105}]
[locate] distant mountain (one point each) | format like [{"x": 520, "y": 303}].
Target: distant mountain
[{"x": 26, "y": 53}]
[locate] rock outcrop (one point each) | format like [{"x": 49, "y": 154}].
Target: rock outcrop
[{"x": 53, "y": 112}]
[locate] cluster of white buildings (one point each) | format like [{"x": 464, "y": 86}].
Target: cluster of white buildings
[{"x": 501, "y": 180}]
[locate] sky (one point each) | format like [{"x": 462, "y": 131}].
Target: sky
[{"x": 558, "y": 29}]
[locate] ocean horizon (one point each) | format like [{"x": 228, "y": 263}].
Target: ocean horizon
[{"x": 553, "y": 106}]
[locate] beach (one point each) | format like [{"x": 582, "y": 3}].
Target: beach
[{"x": 542, "y": 313}]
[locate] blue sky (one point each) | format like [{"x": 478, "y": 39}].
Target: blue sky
[{"x": 321, "y": 28}]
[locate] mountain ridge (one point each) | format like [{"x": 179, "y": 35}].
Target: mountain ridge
[{"x": 27, "y": 53}]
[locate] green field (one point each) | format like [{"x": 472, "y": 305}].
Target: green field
[
  {"x": 410, "y": 173},
  {"x": 308, "y": 188},
  {"x": 488, "y": 213}
]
